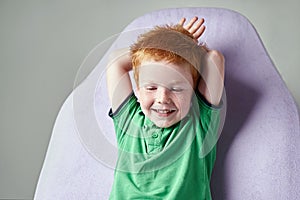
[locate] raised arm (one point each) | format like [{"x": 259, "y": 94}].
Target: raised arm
[
  {"x": 212, "y": 75},
  {"x": 212, "y": 82},
  {"x": 118, "y": 81}
]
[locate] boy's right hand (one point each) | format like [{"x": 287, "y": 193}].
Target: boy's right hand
[{"x": 194, "y": 27}]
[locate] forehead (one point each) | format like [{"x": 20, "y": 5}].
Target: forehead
[{"x": 164, "y": 73}]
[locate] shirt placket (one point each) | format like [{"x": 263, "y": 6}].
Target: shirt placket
[{"x": 153, "y": 139}]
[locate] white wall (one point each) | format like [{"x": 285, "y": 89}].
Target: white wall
[{"x": 42, "y": 44}]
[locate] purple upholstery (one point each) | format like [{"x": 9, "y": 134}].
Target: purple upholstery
[{"x": 258, "y": 153}]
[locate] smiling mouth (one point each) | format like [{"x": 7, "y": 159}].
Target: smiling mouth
[{"x": 164, "y": 111}]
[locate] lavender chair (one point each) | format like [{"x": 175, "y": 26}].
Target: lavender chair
[{"x": 258, "y": 152}]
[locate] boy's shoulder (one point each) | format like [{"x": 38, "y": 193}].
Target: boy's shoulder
[{"x": 130, "y": 105}]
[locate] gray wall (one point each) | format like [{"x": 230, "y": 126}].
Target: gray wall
[{"x": 43, "y": 43}]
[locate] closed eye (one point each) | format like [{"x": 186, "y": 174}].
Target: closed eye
[
  {"x": 150, "y": 88},
  {"x": 175, "y": 89}
]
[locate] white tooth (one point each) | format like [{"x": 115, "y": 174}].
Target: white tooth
[{"x": 164, "y": 111}]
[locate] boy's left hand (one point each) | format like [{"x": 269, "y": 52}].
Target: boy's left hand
[{"x": 194, "y": 27}]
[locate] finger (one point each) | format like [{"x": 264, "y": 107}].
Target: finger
[
  {"x": 199, "y": 32},
  {"x": 182, "y": 21},
  {"x": 201, "y": 21},
  {"x": 191, "y": 23},
  {"x": 196, "y": 26}
]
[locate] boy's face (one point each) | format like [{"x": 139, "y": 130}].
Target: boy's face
[{"x": 165, "y": 92}]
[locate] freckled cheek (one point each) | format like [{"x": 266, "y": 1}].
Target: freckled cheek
[
  {"x": 146, "y": 101},
  {"x": 185, "y": 105},
  {"x": 183, "y": 102}
]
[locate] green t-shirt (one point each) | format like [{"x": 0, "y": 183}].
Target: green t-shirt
[{"x": 165, "y": 163}]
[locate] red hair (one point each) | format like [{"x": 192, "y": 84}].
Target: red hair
[{"x": 172, "y": 44}]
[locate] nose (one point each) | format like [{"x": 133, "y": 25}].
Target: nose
[{"x": 163, "y": 95}]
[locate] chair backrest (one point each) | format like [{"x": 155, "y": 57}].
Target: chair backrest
[{"x": 258, "y": 152}]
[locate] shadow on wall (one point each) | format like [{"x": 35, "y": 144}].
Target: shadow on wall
[{"x": 241, "y": 100}]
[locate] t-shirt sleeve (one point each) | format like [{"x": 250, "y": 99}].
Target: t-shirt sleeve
[
  {"x": 129, "y": 101},
  {"x": 209, "y": 124},
  {"x": 124, "y": 114}
]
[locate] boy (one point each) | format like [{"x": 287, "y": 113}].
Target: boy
[{"x": 161, "y": 127}]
